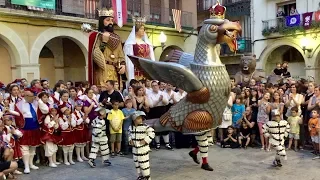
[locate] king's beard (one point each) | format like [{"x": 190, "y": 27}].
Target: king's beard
[{"x": 109, "y": 28}]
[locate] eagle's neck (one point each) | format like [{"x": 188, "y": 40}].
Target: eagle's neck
[{"x": 207, "y": 54}]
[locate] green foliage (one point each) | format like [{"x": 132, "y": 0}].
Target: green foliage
[{"x": 285, "y": 30}]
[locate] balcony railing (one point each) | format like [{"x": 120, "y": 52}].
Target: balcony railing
[
  {"x": 229, "y": 2},
  {"x": 244, "y": 46},
  {"x": 278, "y": 25},
  {"x": 156, "y": 15}
]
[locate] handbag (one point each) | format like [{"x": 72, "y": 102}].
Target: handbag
[{"x": 227, "y": 114}]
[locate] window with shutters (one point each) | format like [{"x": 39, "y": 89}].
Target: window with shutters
[
  {"x": 155, "y": 11},
  {"x": 134, "y": 8}
]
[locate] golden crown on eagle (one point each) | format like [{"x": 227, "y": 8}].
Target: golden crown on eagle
[{"x": 217, "y": 11}]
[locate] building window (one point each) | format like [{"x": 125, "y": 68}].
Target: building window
[
  {"x": 134, "y": 7},
  {"x": 286, "y": 9},
  {"x": 155, "y": 11}
]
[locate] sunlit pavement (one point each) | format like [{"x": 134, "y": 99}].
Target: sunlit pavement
[{"x": 228, "y": 164}]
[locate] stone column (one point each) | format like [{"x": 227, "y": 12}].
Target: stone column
[
  {"x": 165, "y": 12},
  {"x": 312, "y": 73},
  {"x": 145, "y": 7},
  {"x": 28, "y": 71},
  {"x": 56, "y": 47}
]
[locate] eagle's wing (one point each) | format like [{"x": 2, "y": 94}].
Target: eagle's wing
[{"x": 173, "y": 73}]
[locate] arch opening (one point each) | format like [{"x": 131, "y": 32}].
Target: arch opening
[
  {"x": 6, "y": 61},
  {"x": 62, "y": 59},
  {"x": 286, "y": 53}
]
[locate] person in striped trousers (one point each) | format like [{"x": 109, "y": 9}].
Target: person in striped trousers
[
  {"x": 277, "y": 130},
  {"x": 140, "y": 135},
  {"x": 99, "y": 138}
]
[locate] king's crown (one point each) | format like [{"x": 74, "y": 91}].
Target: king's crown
[
  {"x": 105, "y": 12},
  {"x": 217, "y": 11}
]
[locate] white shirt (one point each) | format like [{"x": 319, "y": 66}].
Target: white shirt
[
  {"x": 24, "y": 108},
  {"x": 153, "y": 99},
  {"x": 169, "y": 95},
  {"x": 178, "y": 96}
]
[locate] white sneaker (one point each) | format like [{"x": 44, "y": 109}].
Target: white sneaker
[
  {"x": 71, "y": 162},
  {"x": 79, "y": 160},
  {"x": 57, "y": 163},
  {"x": 26, "y": 171},
  {"x": 53, "y": 165},
  {"x": 34, "y": 167},
  {"x": 67, "y": 163}
]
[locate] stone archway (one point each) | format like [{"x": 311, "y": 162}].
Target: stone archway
[
  {"x": 274, "y": 45},
  {"x": 57, "y": 40},
  {"x": 13, "y": 53},
  {"x": 289, "y": 54}
]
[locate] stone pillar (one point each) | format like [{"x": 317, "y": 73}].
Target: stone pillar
[
  {"x": 312, "y": 73},
  {"x": 87, "y": 74},
  {"x": 56, "y": 47},
  {"x": 145, "y": 7},
  {"x": 28, "y": 71},
  {"x": 165, "y": 12}
]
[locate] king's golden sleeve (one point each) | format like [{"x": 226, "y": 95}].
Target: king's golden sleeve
[{"x": 98, "y": 56}]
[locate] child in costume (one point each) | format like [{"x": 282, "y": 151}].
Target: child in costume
[
  {"x": 277, "y": 130},
  {"x": 80, "y": 131},
  {"x": 67, "y": 123},
  {"x": 140, "y": 135},
  {"x": 12, "y": 137},
  {"x": 51, "y": 135},
  {"x": 99, "y": 138}
]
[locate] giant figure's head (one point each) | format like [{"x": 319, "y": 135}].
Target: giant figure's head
[
  {"x": 248, "y": 63},
  {"x": 105, "y": 20},
  {"x": 139, "y": 23},
  {"x": 219, "y": 30}
]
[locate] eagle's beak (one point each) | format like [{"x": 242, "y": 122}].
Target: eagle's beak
[{"x": 228, "y": 33}]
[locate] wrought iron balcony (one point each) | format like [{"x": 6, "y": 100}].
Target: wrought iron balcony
[
  {"x": 82, "y": 9},
  {"x": 244, "y": 46},
  {"x": 229, "y": 2},
  {"x": 278, "y": 25}
]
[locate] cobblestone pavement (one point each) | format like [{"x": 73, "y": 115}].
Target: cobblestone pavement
[{"x": 228, "y": 164}]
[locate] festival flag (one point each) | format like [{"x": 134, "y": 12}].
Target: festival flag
[
  {"x": 317, "y": 16},
  {"x": 293, "y": 20},
  {"x": 176, "y": 13},
  {"x": 120, "y": 11},
  {"x": 307, "y": 19}
]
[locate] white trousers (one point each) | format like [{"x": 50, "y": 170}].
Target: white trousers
[
  {"x": 142, "y": 163},
  {"x": 28, "y": 150},
  {"x": 67, "y": 149},
  {"x": 102, "y": 146},
  {"x": 202, "y": 140},
  {"x": 50, "y": 148}
]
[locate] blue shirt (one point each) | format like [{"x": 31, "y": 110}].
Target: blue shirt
[
  {"x": 127, "y": 122},
  {"x": 237, "y": 111}
]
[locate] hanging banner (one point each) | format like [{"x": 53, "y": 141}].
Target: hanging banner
[
  {"x": 120, "y": 12},
  {"x": 317, "y": 16},
  {"x": 293, "y": 20},
  {"x": 46, "y": 4},
  {"x": 307, "y": 20}
]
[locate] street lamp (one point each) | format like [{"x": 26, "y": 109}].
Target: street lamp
[
  {"x": 162, "y": 39},
  {"x": 304, "y": 43}
]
